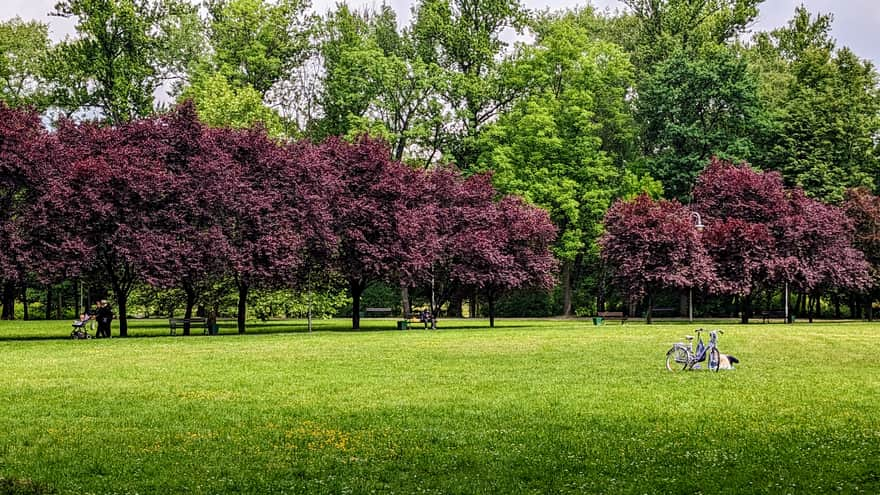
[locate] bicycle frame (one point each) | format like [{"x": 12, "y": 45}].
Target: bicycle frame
[{"x": 687, "y": 356}]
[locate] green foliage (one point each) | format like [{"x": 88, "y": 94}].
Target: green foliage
[
  {"x": 257, "y": 42},
  {"x": 481, "y": 77},
  {"x": 524, "y": 303},
  {"x": 376, "y": 295},
  {"x": 563, "y": 146},
  {"x": 824, "y": 109},
  {"x": 266, "y": 304},
  {"x": 695, "y": 106},
  {"x": 665, "y": 27},
  {"x": 126, "y": 49},
  {"x": 352, "y": 59},
  {"x": 23, "y": 50},
  {"x": 528, "y": 407},
  {"x": 375, "y": 83},
  {"x": 150, "y": 301},
  {"x": 222, "y": 104}
]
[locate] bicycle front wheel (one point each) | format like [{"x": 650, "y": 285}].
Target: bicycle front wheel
[
  {"x": 714, "y": 360},
  {"x": 677, "y": 359}
]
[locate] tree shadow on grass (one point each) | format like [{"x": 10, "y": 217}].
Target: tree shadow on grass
[{"x": 158, "y": 328}]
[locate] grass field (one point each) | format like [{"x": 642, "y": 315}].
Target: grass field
[{"x": 532, "y": 406}]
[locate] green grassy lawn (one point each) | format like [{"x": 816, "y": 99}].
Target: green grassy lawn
[{"x": 531, "y": 406}]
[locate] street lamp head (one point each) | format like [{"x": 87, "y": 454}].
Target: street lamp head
[{"x": 698, "y": 222}]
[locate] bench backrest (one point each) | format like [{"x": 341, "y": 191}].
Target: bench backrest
[
  {"x": 181, "y": 321},
  {"x": 610, "y": 314}
]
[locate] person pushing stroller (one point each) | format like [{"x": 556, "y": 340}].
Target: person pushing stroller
[{"x": 104, "y": 316}]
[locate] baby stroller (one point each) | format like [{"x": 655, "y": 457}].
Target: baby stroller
[{"x": 79, "y": 330}]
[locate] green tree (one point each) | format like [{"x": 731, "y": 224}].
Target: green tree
[
  {"x": 549, "y": 147},
  {"x": 664, "y": 27},
  {"x": 222, "y": 104},
  {"x": 694, "y": 95},
  {"x": 352, "y": 64},
  {"x": 375, "y": 82},
  {"x": 407, "y": 101},
  {"x": 126, "y": 50},
  {"x": 23, "y": 50},
  {"x": 258, "y": 43},
  {"x": 481, "y": 76},
  {"x": 695, "y": 106},
  {"x": 824, "y": 108},
  {"x": 257, "y": 47}
]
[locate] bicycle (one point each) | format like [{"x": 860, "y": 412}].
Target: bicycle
[{"x": 687, "y": 356}]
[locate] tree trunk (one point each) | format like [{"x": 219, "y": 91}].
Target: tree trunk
[
  {"x": 455, "y": 303},
  {"x": 745, "y": 309},
  {"x": 405, "y": 305},
  {"x": 565, "y": 277},
  {"x": 357, "y": 288},
  {"x": 122, "y": 301},
  {"x": 648, "y": 316},
  {"x": 869, "y": 307},
  {"x": 8, "y": 312},
  {"x": 473, "y": 304},
  {"x": 810, "y": 299},
  {"x": 243, "y": 290},
  {"x": 835, "y": 303},
  {"x": 49, "y": 297},
  {"x": 24, "y": 301},
  {"x": 491, "y": 301},
  {"x": 190, "y": 303},
  {"x": 77, "y": 288}
]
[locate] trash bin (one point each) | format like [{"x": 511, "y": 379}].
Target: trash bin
[
  {"x": 214, "y": 330},
  {"x": 598, "y": 320},
  {"x": 402, "y": 324}
]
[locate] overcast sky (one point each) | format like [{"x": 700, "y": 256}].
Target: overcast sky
[{"x": 856, "y": 22}]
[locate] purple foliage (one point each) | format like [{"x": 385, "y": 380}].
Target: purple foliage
[
  {"x": 653, "y": 245},
  {"x": 486, "y": 245}
]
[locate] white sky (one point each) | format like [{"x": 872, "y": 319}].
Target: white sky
[{"x": 856, "y": 22}]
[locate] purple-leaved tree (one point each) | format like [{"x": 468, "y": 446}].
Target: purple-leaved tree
[
  {"x": 268, "y": 206},
  {"x": 483, "y": 245},
  {"x": 759, "y": 234},
  {"x": 24, "y": 150},
  {"x": 377, "y": 216},
  {"x": 863, "y": 209},
  {"x": 653, "y": 245}
]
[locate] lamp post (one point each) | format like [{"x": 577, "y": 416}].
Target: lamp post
[
  {"x": 433, "y": 316},
  {"x": 698, "y": 224}
]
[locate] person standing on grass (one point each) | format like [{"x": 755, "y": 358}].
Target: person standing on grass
[
  {"x": 92, "y": 315},
  {"x": 105, "y": 316}
]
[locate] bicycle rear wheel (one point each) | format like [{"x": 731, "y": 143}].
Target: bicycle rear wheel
[
  {"x": 714, "y": 360},
  {"x": 677, "y": 359}
]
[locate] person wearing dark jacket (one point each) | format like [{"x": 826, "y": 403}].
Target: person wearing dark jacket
[{"x": 105, "y": 316}]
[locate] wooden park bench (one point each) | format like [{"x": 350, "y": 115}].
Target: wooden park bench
[
  {"x": 601, "y": 316},
  {"x": 377, "y": 312},
  {"x": 663, "y": 311},
  {"x": 193, "y": 323},
  {"x": 772, "y": 314}
]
